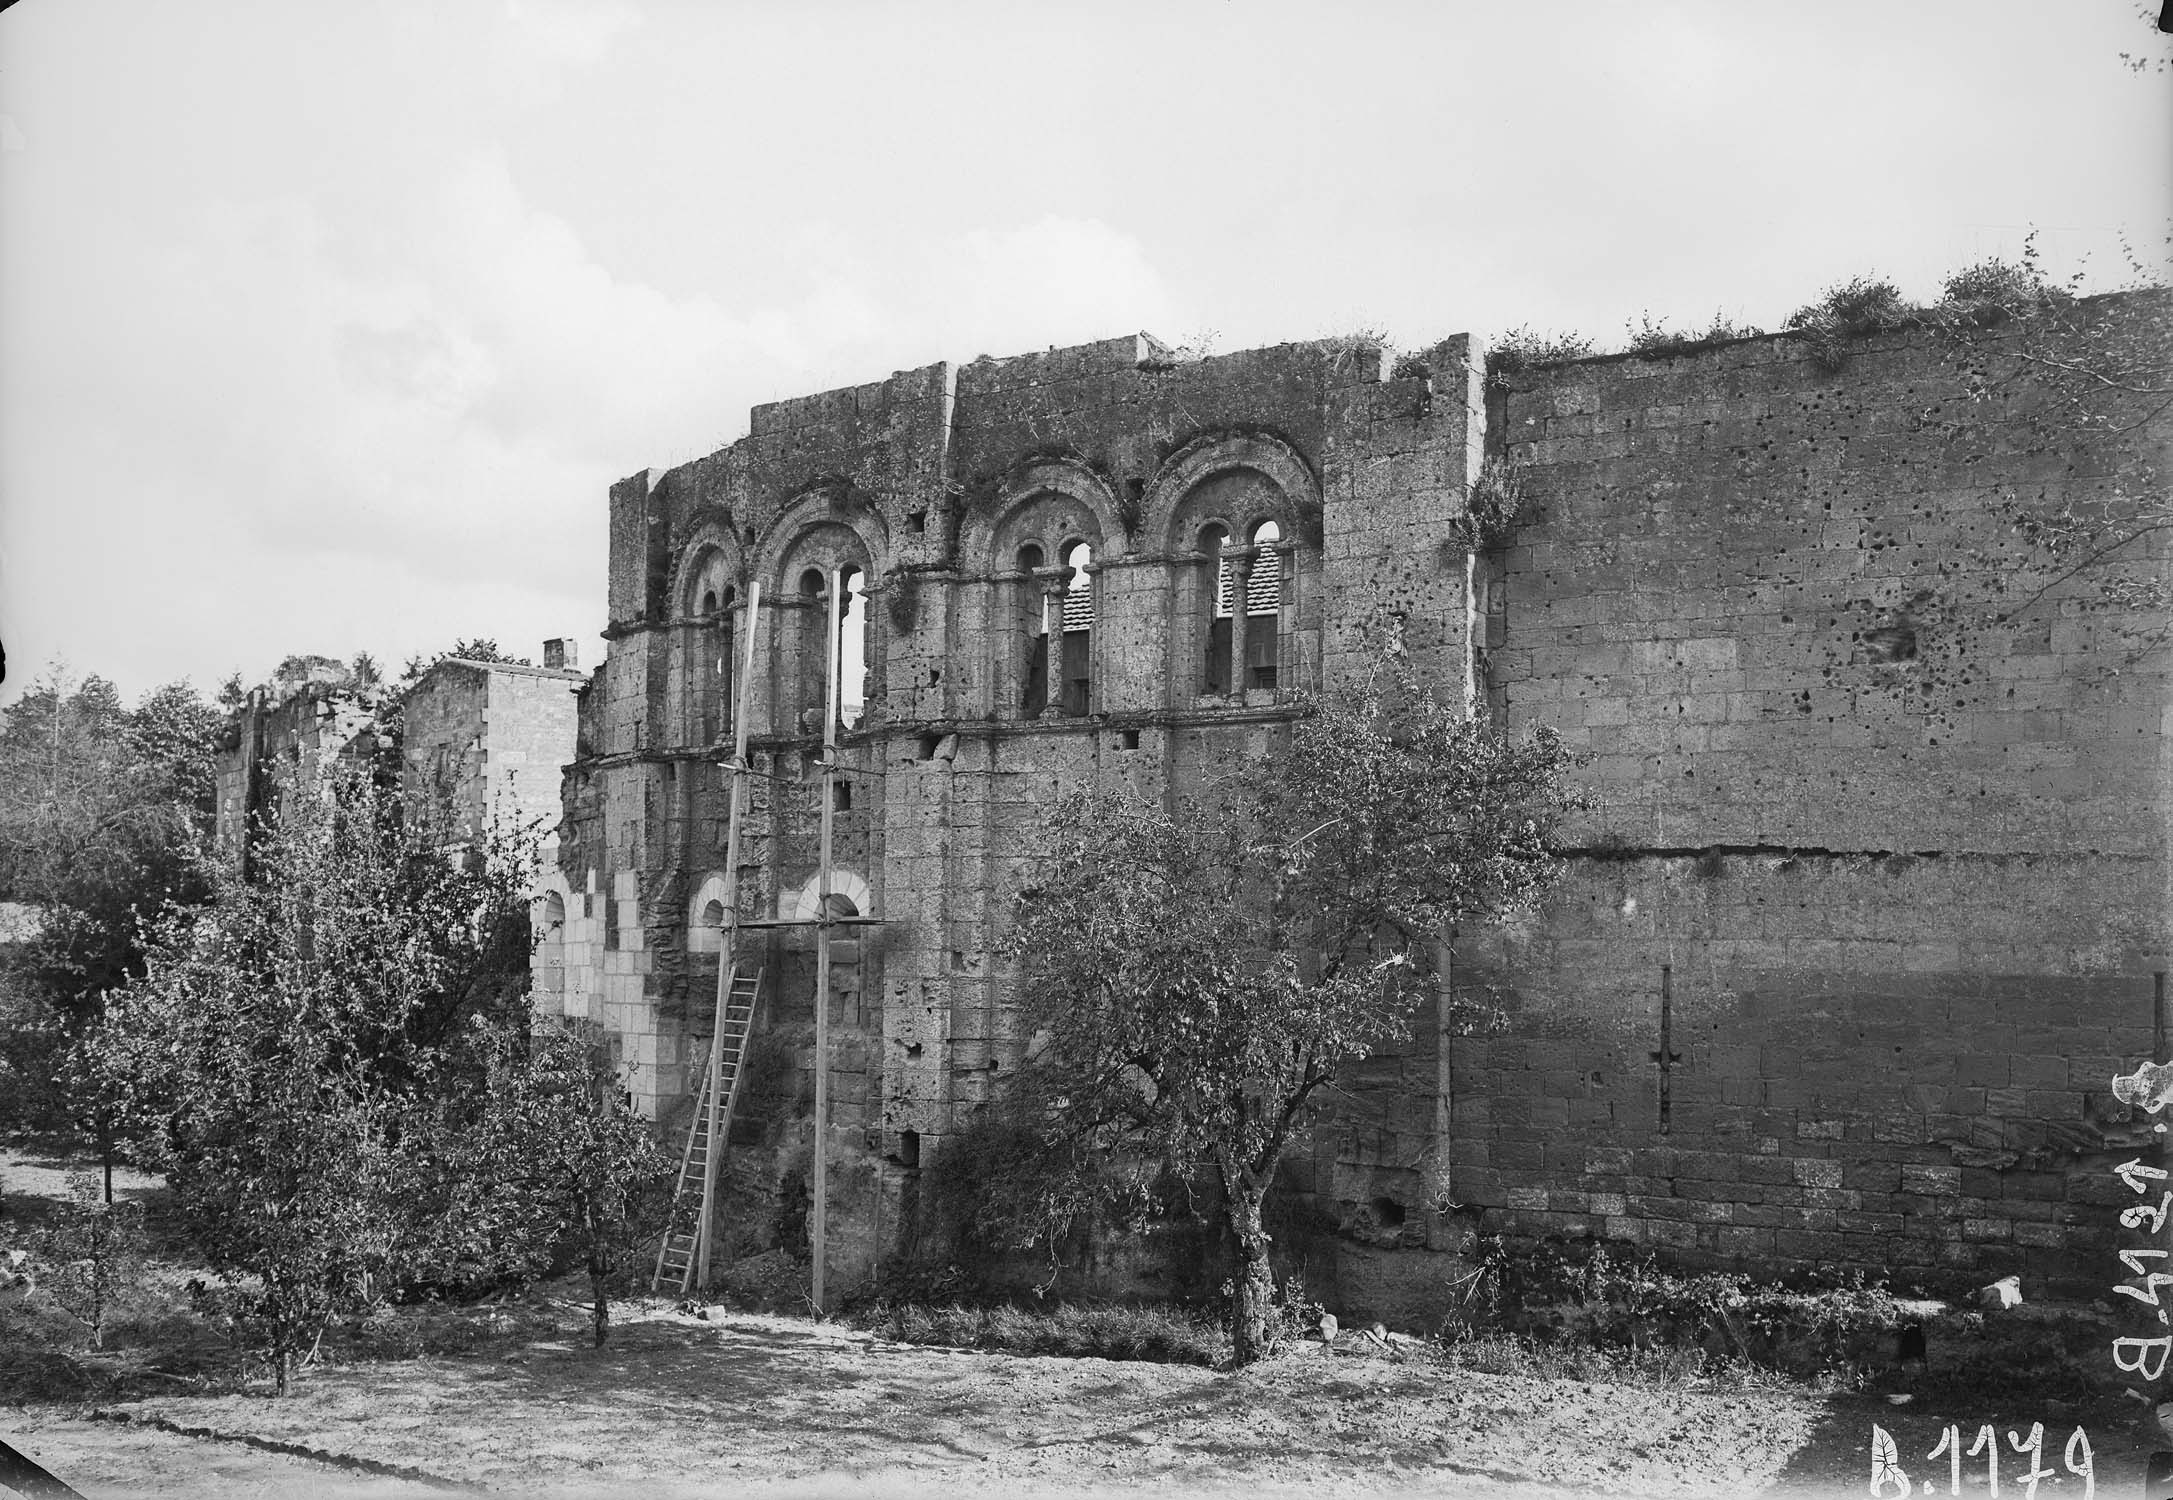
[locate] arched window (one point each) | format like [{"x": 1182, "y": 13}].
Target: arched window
[
  {"x": 1264, "y": 607},
  {"x": 1216, "y": 677},
  {"x": 1033, "y": 630},
  {"x": 1078, "y": 629},
  {"x": 815, "y": 650},
  {"x": 712, "y": 666}
]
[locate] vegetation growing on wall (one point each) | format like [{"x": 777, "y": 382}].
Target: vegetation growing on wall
[
  {"x": 1650, "y": 339},
  {"x": 1524, "y": 348}
]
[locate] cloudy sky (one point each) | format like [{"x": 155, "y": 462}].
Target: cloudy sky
[{"x": 324, "y": 327}]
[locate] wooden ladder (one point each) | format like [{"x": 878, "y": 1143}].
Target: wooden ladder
[{"x": 677, "y": 1258}]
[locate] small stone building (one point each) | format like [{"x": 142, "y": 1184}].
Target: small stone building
[
  {"x": 494, "y": 736},
  {"x": 1866, "y": 915}
]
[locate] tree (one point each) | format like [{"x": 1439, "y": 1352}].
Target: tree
[
  {"x": 104, "y": 815},
  {"x": 90, "y": 1254},
  {"x": 290, "y": 1043},
  {"x": 565, "y": 1159},
  {"x": 1196, "y": 974}
]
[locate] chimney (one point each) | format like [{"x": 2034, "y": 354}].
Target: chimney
[{"x": 559, "y": 655}]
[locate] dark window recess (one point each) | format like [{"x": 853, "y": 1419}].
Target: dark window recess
[
  {"x": 1218, "y": 655},
  {"x": 909, "y": 1148},
  {"x": 928, "y": 745},
  {"x": 916, "y": 520},
  {"x": 1076, "y": 675},
  {"x": 1131, "y": 739},
  {"x": 1388, "y": 1212},
  {"x": 1259, "y": 653},
  {"x": 841, "y": 795},
  {"x": 1036, "y": 697}
]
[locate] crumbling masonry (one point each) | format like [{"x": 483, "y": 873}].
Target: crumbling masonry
[{"x": 1861, "y": 927}]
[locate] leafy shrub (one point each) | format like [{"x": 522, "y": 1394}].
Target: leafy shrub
[
  {"x": 90, "y": 1254},
  {"x": 1073, "y": 1330},
  {"x": 1855, "y": 308},
  {"x": 1608, "y": 1301},
  {"x": 1992, "y": 291},
  {"x": 1497, "y": 498}
]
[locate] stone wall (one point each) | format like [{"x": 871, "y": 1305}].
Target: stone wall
[
  {"x": 1894, "y": 867},
  {"x": 1863, "y": 916},
  {"x": 956, "y": 496},
  {"x": 309, "y": 728},
  {"x": 493, "y": 738}
]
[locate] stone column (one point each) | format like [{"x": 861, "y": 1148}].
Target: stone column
[{"x": 1241, "y": 565}]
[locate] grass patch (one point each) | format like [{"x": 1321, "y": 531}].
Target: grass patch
[{"x": 1072, "y": 1330}]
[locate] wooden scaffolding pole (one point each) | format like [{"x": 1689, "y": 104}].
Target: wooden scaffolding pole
[
  {"x": 727, "y": 933},
  {"x": 832, "y": 694}
]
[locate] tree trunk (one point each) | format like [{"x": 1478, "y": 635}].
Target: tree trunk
[
  {"x": 1252, "y": 1302},
  {"x": 600, "y": 1313}
]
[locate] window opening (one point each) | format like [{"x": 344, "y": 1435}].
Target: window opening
[
  {"x": 841, "y": 795},
  {"x": 709, "y": 661},
  {"x": 717, "y": 686},
  {"x": 1033, "y": 626},
  {"x": 1216, "y": 679},
  {"x": 1263, "y": 598},
  {"x": 852, "y": 646},
  {"x": 554, "y": 945},
  {"x": 1078, "y": 627}
]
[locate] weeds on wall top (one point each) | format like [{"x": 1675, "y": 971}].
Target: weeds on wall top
[
  {"x": 1855, "y": 308},
  {"x": 1523, "y": 348},
  {"x": 1655, "y": 340}
]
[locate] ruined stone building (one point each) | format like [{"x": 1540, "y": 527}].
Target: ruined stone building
[
  {"x": 493, "y": 737},
  {"x": 1864, "y": 920}
]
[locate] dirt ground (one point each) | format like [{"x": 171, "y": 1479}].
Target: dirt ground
[
  {"x": 734, "y": 1403},
  {"x": 745, "y": 1404}
]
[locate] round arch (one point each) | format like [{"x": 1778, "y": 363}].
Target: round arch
[
  {"x": 801, "y": 905},
  {"x": 711, "y": 555},
  {"x": 1205, "y": 458},
  {"x": 831, "y": 503},
  {"x": 1042, "y": 492},
  {"x": 703, "y": 927}
]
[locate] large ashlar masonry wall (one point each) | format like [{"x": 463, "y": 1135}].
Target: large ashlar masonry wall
[
  {"x": 1903, "y": 908},
  {"x": 933, "y": 485},
  {"x": 1897, "y": 872}
]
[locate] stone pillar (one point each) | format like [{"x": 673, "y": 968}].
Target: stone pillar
[{"x": 1241, "y": 562}]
